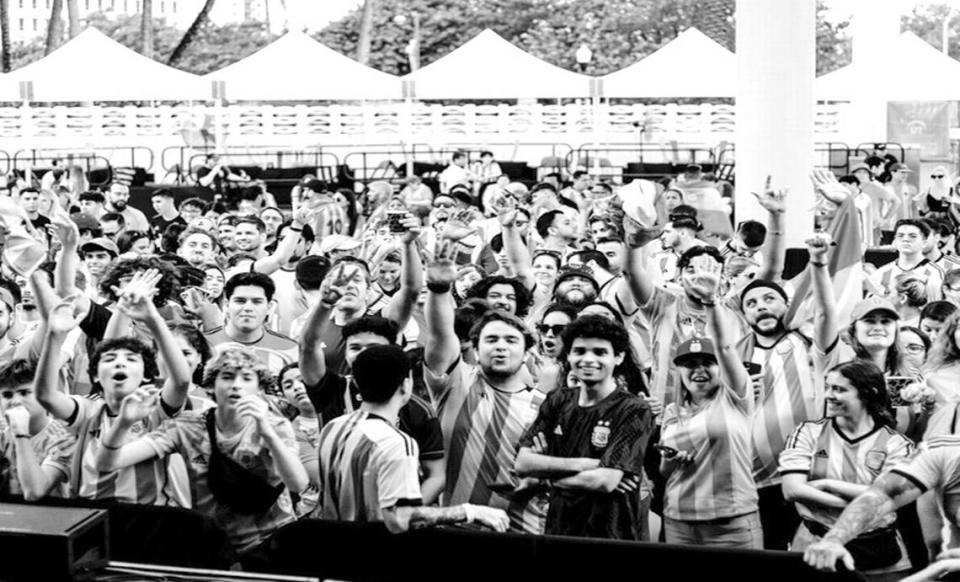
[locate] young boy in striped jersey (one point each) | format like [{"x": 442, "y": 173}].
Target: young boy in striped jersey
[
  {"x": 369, "y": 469},
  {"x": 909, "y": 238},
  {"x": 484, "y": 409},
  {"x": 35, "y": 450},
  {"x": 118, "y": 367},
  {"x": 249, "y": 504}
]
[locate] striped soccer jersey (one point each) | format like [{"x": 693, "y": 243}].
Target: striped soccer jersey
[
  {"x": 674, "y": 319},
  {"x": 148, "y": 483},
  {"x": 885, "y": 278},
  {"x": 793, "y": 378},
  {"x": 820, "y": 450},
  {"x": 367, "y": 465},
  {"x": 53, "y": 447},
  {"x": 273, "y": 349},
  {"x": 718, "y": 482},
  {"x": 936, "y": 465},
  {"x": 482, "y": 427},
  {"x": 187, "y": 435}
]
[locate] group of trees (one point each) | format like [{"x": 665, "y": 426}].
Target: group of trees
[{"x": 619, "y": 32}]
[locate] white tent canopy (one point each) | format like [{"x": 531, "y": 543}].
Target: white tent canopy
[
  {"x": 918, "y": 72},
  {"x": 691, "y": 65},
  {"x": 489, "y": 67},
  {"x": 269, "y": 75},
  {"x": 93, "y": 67}
]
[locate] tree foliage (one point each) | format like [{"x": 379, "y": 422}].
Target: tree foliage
[{"x": 926, "y": 21}]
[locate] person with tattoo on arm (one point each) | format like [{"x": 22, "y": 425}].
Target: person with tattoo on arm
[{"x": 369, "y": 468}]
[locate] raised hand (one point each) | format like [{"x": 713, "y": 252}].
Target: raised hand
[
  {"x": 441, "y": 273},
  {"x": 255, "y": 407},
  {"x": 705, "y": 280},
  {"x": 772, "y": 200},
  {"x": 508, "y": 217},
  {"x": 65, "y": 230},
  {"x": 139, "y": 404},
  {"x": 63, "y": 318},
  {"x": 332, "y": 288},
  {"x": 412, "y": 226},
  {"x": 194, "y": 299},
  {"x": 135, "y": 299},
  {"x": 818, "y": 245},
  {"x": 457, "y": 227},
  {"x": 825, "y": 183},
  {"x": 18, "y": 419}
]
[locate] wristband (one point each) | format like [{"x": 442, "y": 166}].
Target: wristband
[
  {"x": 21, "y": 436},
  {"x": 708, "y": 303},
  {"x": 295, "y": 229},
  {"x": 469, "y": 512},
  {"x": 815, "y": 264},
  {"x": 439, "y": 287},
  {"x": 108, "y": 447}
]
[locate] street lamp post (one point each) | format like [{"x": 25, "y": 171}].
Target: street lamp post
[
  {"x": 413, "y": 47},
  {"x": 583, "y": 55}
]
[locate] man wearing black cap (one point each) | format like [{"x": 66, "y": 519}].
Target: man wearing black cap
[{"x": 787, "y": 384}]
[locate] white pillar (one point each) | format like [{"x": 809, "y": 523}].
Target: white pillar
[
  {"x": 776, "y": 52},
  {"x": 875, "y": 27}
]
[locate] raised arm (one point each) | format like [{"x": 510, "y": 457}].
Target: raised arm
[
  {"x": 313, "y": 363},
  {"x": 517, "y": 253},
  {"x": 400, "y": 307},
  {"x": 442, "y": 346},
  {"x": 826, "y": 323},
  {"x": 113, "y": 456},
  {"x": 36, "y": 480},
  {"x": 288, "y": 244},
  {"x": 774, "y": 251},
  {"x": 135, "y": 300},
  {"x": 635, "y": 268},
  {"x": 60, "y": 322},
  {"x": 65, "y": 275},
  {"x": 286, "y": 457}
]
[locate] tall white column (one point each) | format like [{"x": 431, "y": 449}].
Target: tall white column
[{"x": 776, "y": 57}]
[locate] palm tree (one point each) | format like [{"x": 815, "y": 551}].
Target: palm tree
[
  {"x": 146, "y": 29},
  {"x": 73, "y": 18},
  {"x": 54, "y": 27},
  {"x": 5, "y": 35},
  {"x": 366, "y": 32},
  {"x": 191, "y": 33}
]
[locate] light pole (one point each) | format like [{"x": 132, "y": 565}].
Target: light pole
[
  {"x": 413, "y": 47},
  {"x": 583, "y": 55}
]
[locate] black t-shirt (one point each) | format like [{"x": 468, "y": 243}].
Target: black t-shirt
[
  {"x": 159, "y": 224},
  {"x": 40, "y": 223},
  {"x": 218, "y": 180},
  {"x": 334, "y": 396},
  {"x": 615, "y": 431}
]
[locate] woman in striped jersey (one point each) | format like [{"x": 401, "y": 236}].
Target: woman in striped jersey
[
  {"x": 706, "y": 444},
  {"x": 828, "y": 462}
]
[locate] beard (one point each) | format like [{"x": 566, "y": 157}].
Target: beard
[
  {"x": 773, "y": 331},
  {"x": 577, "y": 297},
  {"x": 120, "y": 205}
]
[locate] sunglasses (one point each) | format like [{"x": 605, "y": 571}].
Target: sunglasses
[
  {"x": 935, "y": 176},
  {"x": 556, "y": 329},
  {"x": 443, "y": 205}
]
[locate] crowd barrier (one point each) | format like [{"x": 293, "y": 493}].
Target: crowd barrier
[{"x": 360, "y": 552}]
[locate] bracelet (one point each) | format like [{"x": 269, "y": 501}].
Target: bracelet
[
  {"x": 21, "y": 436},
  {"x": 817, "y": 264},
  {"x": 708, "y": 303},
  {"x": 295, "y": 229},
  {"x": 439, "y": 287},
  {"x": 108, "y": 447},
  {"x": 469, "y": 512}
]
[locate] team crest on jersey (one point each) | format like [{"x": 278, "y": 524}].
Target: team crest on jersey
[
  {"x": 601, "y": 434},
  {"x": 874, "y": 460}
]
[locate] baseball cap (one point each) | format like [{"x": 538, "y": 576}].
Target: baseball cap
[
  {"x": 570, "y": 271},
  {"x": 101, "y": 244},
  {"x": 697, "y": 346},
  {"x": 859, "y": 167},
  {"x": 337, "y": 242},
  {"x": 871, "y": 304},
  {"x": 900, "y": 166},
  {"x": 85, "y": 221}
]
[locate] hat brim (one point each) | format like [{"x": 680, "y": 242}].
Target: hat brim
[
  {"x": 679, "y": 360},
  {"x": 886, "y": 310}
]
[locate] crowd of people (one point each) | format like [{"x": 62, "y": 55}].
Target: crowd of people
[{"x": 546, "y": 359}]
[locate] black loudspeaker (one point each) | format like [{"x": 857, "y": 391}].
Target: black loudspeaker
[{"x": 51, "y": 543}]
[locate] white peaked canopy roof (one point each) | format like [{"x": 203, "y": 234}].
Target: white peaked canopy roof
[
  {"x": 295, "y": 67},
  {"x": 94, "y": 67},
  {"x": 917, "y": 72},
  {"x": 489, "y": 67},
  {"x": 691, "y": 65}
]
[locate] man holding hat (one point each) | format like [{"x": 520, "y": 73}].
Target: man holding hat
[{"x": 98, "y": 254}]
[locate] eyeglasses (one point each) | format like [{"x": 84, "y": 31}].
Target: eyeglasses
[
  {"x": 915, "y": 348},
  {"x": 935, "y": 176},
  {"x": 555, "y": 329}
]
